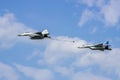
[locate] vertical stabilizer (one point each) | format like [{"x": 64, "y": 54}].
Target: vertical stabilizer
[
  {"x": 107, "y": 46},
  {"x": 107, "y": 43},
  {"x": 45, "y": 32}
]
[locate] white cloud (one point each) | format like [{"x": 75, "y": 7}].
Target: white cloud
[
  {"x": 61, "y": 50},
  {"x": 34, "y": 73},
  {"x": 7, "y": 72},
  {"x": 93, "y": 30},
  {"x": 9, "y": 29},
  {"x": 86, "y": 16},
  {"x": 87, "y": 76},
  {"x": 111, "y": 12},
  {"x": 35, "y": 53},
  {"x": 108, "y": 62},
  {"x": 107, "y": 12}
]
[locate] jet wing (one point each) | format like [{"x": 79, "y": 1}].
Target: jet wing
[
  {"x": 37, "y": 35},
  {"x": 33, "y": 35},
  {"x": 99, "y": 45}
]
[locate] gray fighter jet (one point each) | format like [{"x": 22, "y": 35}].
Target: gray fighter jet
[
  {"x": 102, "y": 46},
  {"x": 37, "y": 35}
]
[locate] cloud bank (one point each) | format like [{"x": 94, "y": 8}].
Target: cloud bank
[
  {"x": 60, "y": 58},
  {"x": 67, "y": 60}
]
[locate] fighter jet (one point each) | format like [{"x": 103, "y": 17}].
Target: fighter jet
[
  {"x": 101, "y": 47},
  {"x": 37, "y": 35}
]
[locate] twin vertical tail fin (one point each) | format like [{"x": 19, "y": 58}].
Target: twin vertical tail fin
[
  {"x": 107, "y": 43},
  {"x": 107, "y": 46},
  {"x": 45, "y": 32}
]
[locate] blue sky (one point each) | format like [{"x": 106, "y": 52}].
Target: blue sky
[{"x": 85, "y": 21}]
